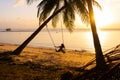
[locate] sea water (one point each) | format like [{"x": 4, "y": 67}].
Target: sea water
[{"x": 77, "y": 40}]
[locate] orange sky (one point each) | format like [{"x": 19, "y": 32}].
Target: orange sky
[{"x": 17, "y": 14}]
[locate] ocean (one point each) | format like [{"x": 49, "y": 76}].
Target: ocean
[{"x": 77, "y": 40}]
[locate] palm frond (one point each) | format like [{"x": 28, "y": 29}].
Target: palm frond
[
  {"x": 80, "y": 6},
  {"x": 56, "y": 18},
  {"x": 95, "y": 3},
  {"x": 69, "y": 17},
  {"x": 30, "y": 1},
  {"x": 40, "y": 6},
  {"x": 46, "y": 9}
]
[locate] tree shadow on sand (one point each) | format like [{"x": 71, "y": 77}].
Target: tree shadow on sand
[
  {"x": 6, "y": 56},
  {"x": 90, "y": 72}
]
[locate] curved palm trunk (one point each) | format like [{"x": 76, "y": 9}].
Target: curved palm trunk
[
  {"x": 24, "y": 44},
  {"x": 100, "y": 61}
]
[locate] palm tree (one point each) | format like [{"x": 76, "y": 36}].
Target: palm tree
[
  {"x": 50, "y": 9},
  {"x": 100, "y": 62}
]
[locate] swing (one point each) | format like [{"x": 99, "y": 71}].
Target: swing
[{"x": 62, "y": 46}]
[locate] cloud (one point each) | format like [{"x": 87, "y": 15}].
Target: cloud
[{"x": 19, "y": 3}]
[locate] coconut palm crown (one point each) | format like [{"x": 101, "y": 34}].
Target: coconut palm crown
[{"x": 73, "y": 7}]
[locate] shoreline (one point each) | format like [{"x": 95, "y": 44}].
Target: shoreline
[{"x": 46, "y": 47}]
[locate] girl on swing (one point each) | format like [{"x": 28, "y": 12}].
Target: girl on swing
[{"x": 60, "y": 48}]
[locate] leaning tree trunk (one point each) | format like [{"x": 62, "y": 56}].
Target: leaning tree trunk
[
  {"x": 100, "y": 61},
  {"x": 24, "y": 44}
]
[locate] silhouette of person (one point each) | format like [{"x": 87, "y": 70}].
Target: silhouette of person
[{"x": 61, "y": 48}]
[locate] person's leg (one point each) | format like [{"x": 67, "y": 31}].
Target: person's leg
[{"x": 63, "y": 50}]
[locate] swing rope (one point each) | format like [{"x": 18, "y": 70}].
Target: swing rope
[
  {"x": 50, "y": 36},
  {"x": 62, "y": 33}
]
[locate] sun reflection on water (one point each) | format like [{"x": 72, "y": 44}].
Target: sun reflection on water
[{"x": 102, "y": 37}]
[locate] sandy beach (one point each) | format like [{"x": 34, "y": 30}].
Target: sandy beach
[
  {"x": 41, "y": 62},
  {"x": 45, "y": 63},
  {"x": 49, "y": 56}
]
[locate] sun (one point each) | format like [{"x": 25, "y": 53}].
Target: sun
[{"x": 102, "y": 17}]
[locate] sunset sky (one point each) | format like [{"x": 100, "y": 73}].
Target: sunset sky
[{"x": 18, "y": 15}]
